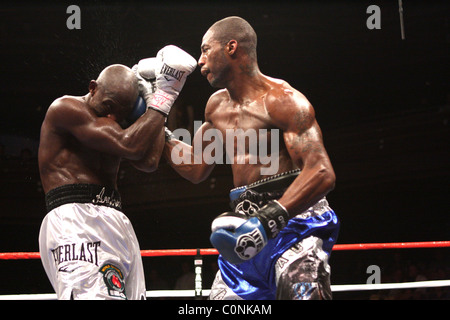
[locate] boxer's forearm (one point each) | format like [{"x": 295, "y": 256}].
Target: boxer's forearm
[
  {"x": 150, "y": 161},
  {"x": 138, "y": 139},
  {"x": 182, "y": 159},
  {"x": 310, "y": 186}
]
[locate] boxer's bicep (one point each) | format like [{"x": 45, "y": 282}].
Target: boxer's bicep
[
  {"x": 102, "y": 134},
  {"x": 303, "y": 140},
  {"x": 292, "y": 113},
  {"x": 305, "y": 144},
  {"x": 301, "y": 132}
]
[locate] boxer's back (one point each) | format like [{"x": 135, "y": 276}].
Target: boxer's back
[{"x": 63, "y": 159}]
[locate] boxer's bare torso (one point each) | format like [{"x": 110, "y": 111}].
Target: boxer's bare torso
[
  {"x": 63, "y": 158},
  {"x": 222, "y": 113}
]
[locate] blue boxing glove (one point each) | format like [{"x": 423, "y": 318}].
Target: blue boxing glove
[
  {"x": 239, "y": 238},
  {"x": 139, "y": 108}
]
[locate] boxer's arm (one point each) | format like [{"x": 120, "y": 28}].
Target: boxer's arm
[
  {"x": 150, "y": 160},
  {"x": 303, "y": 139},
  {"x": 104, "y": 134},
  {"x": 188, "y": 160}
]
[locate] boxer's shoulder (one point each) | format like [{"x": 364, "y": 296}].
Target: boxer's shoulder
[
  {"x": 215, "y": 100},
  {"x": 66, "y": 108},
  {"x": 65, "y": 104},
  {"x": 67, "y": 101},
  {"x": 284, "y": 103},
  {"x": 281, "y": 92},
  {"x": 218, "y": 97}
]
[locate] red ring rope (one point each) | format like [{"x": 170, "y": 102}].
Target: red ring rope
[{"x": 203, "y": 252}]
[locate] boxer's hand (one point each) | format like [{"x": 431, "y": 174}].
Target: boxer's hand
[
  {"x": 173, "y": 65},
  {"x": 139, "y": 108},
  {"x": 145, "y": 73},
  {"x": 239, "y": 238}
]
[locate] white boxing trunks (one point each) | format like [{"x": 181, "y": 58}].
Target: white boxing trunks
[{"x": 88, "y": 247}]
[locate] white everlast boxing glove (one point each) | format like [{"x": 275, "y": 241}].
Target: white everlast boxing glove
[
  {"x": 172, "y": 66},
  {"x": 145, "y": 73},
  {"x": 146, "y": 69},
  {"x": 239, "y": 238}
]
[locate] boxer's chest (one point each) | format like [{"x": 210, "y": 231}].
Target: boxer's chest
[
  {"x": 248, "y": 124},
  {"x": 246, "y": 116}
]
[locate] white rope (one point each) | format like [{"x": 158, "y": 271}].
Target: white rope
[
  {"x": 175, "y": 293},
  {"x": 389, "y": 286},
  {"x": 43, "y": 296},
  {"x": 205, "y": 293}
]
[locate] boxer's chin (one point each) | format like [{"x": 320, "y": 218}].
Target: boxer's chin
[{"x": 214, "y": 82}]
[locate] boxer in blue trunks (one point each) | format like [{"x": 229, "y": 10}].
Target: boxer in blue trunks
[{"x": 276, "y": 242}]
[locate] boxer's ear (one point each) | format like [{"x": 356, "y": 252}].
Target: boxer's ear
[
  {"x": 231, "y": 47},
  {"x": 93, "y": 87}
]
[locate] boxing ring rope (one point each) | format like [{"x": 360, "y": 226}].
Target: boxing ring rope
[
  {"x": 205, "y": 252},
  {"x": 198, "y": 253}
]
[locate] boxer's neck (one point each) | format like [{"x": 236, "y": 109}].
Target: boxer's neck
[{"x": 245, "y": 87}]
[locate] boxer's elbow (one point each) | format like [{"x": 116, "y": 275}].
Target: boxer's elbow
[
  {"x": 327, "y": 178},
  {"x": 147, "y": 164},
  {"x": 194, "y": 174},
  {"x": 130, "y": 149},
  {"x": 149, "y": 167},
  {"x": 193, "y": 177},
  {"x": 197, "y": 179},
  {"x": 145, "y": 168},
  {"x": 152, "y": 163}
]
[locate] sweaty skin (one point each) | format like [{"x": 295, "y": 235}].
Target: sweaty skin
[
  {"x": 81, "y": 139},
  {"x": 249, "y": 99}
]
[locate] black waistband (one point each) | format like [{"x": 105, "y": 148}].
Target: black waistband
[
  {"x": 262, "y": 191},
  {"x": 83, "y": 193}
]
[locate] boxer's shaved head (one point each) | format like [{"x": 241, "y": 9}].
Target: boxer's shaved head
[
  {"x": 118, "y": 80},
  {"x": 236, "y": 28},
  {"x": 114, "y": 91}
]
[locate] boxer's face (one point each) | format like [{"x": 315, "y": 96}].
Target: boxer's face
[
  {"x": 120, "y": 103},
  {"x": 114, "y": 105},
  {"x": 213, "y": 61}
]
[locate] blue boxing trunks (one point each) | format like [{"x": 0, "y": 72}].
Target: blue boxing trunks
[{"x": 293, "y": 265}]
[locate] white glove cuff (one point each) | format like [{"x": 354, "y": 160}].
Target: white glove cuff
[
  {"x": 230, "y": 221},
  {"x": 162, "y": 101}
]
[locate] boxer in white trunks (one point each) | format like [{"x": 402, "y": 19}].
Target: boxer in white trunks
[{"x": 88, "y": 247}]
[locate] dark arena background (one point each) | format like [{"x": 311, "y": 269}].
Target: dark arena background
[{"x": 382, "y": 101}]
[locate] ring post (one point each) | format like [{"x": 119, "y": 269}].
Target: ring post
[{"x": 198, "y": 263}]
